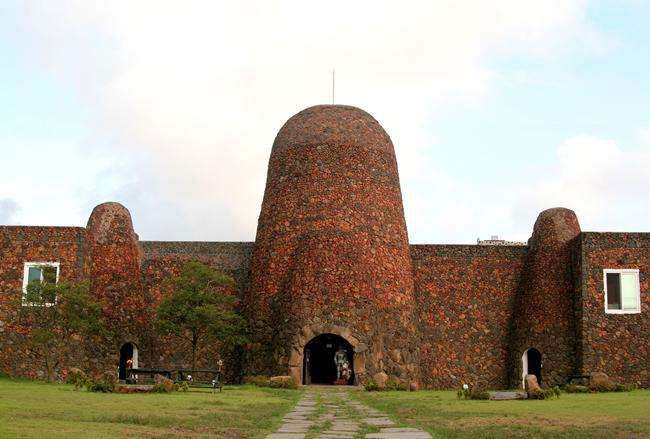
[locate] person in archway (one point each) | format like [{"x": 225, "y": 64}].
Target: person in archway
[{"x": 341, "y": 361}]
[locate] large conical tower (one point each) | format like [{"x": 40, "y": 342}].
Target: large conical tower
[{"x": 331, "y": 267}]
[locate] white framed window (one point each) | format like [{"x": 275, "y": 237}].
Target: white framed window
[
  {"x": 39, "y": 272},
  {"x": 622, "y": 291}
]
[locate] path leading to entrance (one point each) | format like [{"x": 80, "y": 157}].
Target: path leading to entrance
[{"x": 330, "y": 413}]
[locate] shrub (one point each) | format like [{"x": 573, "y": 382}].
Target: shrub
[
  {"x": 396, "y": 385},
  {"x": 183, "y": 387},
  {"x": 163, "y": 385},
  {"x": 282, "y": 383},
  {"x": 371, "y": 386},
  {"x": 104, "y": 383},
  {"x": 623, "y": 387},
  {"x": 467, "y": 392},
  {"x": 77, "y": 377},
  {"x": 545, "y": 393},
  {"x": 576, "y": 388},
  {"x": 258, "y": 380}
]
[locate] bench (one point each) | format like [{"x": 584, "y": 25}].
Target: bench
[{"x": 200, "y": 378}]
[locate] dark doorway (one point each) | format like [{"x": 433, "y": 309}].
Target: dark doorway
[
  {"x": 320, "y": 365},
  {"x": 535, "y": 363},
  {"x": 128, "y": 358}
]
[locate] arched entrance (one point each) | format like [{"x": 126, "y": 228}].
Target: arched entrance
[
  {"x": 531, "y": 364},
  {"x": 128, "y": 351},
  {"x": 319, "y": 363}
]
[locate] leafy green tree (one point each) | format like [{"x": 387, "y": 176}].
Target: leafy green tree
[
  {"x": 201, "y": 308},
  {"x": 52, "y": 316}
]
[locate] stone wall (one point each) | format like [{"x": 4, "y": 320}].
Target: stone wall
[
  {"x": 617, "y": 344},
  {"x": 465, "y": 296},
  {"x": 20, "y": 244},
  {"x": 127, "y": 276},
  {"x": 163, "y": 260}
]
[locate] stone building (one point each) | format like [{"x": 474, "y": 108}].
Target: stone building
[{"x": 331, "y": 269}]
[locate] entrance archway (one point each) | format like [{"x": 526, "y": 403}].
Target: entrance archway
[
  {"x": 319, "y": 365},
  {"x": 531, "y": 364},
  {"x": 128, "y": 351}
]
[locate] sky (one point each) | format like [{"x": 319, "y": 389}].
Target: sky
[{"x": 497, "y": 109}]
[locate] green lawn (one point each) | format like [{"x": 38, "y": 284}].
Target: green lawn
[
  {"x": 603, "y": 415},
  {"x": 33, "y": 409}
]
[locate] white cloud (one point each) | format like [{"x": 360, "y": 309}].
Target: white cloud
[
  {"x": 644, "y": 135},
  {"x": 8, "y": 208},
  {"x": 603, "y": 183},
  {"x": 197, "y": 90}
]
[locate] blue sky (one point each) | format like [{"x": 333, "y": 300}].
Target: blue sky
[{"x": 498, "y": 110}]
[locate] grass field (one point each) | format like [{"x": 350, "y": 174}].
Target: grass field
[
  {"x": 601, "y": 415},
  {"x": 37, "y": 410},
  {"x": 32, "y": 409}
]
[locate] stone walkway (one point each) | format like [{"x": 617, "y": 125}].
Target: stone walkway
[{"x": 333, "y": 414}]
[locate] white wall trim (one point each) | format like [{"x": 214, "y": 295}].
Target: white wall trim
[{"x": 634, "y": 271}]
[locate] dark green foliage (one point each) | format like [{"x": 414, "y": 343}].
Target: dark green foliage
[
  {"x": 104, "y": 383},
  {"x": 200, "y": 308},
  {"x": 164, "y": 385},
  {"x": 616, "y": 387},
  {"x": 258, "y": 380},
  {"x": 371, "y": 386},
  {"x": 283, "y": 384},
  {"x": 472, "y": 393},
  {"x": 396, "y": 385},
  {"x": 51, "y": 315},
  {"x": 545, "y": 393},
  {"x": 77, "y": 378},
  {"x": 576, "y": 388}
]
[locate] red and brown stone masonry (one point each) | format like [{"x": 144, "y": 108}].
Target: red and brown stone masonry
[
  {"x": 544, "y": 313},
  {"x": 617, "y": 344},
  {"x": 332, "y": 256},
  {"x": 331, "y": 253},
  {"x": 20, "y": 244},
  {"x": 465, "y": 296}
]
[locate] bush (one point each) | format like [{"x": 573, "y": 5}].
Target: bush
[
  {"x": 104, "y": 383},
  {"x": 371, "y": 386},
  {"x": 396, "y": 385},
  {"x": 472, "y": 393},
  {"x": 612, "y": 387},
  {"x": 545, "y": 393},
  {"x": 76, "y": 377},
  {"x": 258, "y": 380},
  {"x": 183, "y": 387},
  {"x": 282, "y": 383},
  {"x": 576, "y": 388},
  {"x": 623, "y": 387},
  {"x": 163, "y": 385}
]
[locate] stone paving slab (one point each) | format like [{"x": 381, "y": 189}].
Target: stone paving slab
[
  {"x": 406, "y": 435},
  {"x": 337, "y": 420},
  {"x": 378, "y": 422},
  {"x": 286, "y": 436}
]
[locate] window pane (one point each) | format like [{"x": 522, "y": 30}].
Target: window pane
[
  {"x": 629, "y": 291},
  {"x": 613, "y": 291},
  {"x": 34, "y": 274},
  {"x": 49, "y": 275}
]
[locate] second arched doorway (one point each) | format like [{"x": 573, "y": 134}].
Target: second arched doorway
[
  {"x": 327, "y": 359},
  {"x": 531, "y": 365}
]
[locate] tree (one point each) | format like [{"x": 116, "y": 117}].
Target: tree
[
  {"x": 50, "y": 316},
  {"x": 201, "y": 308}
]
